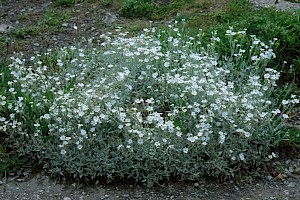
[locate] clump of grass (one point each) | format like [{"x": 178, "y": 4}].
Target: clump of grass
[
  {"x": 66, "y": 3},
  {"x": 25, "y": 32},
  {"x": 294, "y": 135},
  {"x": 10, "y": 162},
  {"x": 137, "y": 8},
  {"x": 53, "y": 18}
]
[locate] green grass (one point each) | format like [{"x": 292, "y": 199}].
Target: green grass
[
  {"x": 10, "y": 161},
  {"x": 25, "y": 32},
  {"x": 53, "y": 18},
  {"x": 49, "y": 22},
  {"x": 67, "y": 3},
  {"x": 294, "y": 135}
]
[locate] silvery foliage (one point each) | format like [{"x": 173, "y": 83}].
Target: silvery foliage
[{"x": 149, "y": 107}]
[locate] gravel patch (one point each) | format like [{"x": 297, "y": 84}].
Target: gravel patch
[{"x": 280, "y": 5}]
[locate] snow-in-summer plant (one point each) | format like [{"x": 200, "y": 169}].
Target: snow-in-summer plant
[{"x": 147, "y": 108}]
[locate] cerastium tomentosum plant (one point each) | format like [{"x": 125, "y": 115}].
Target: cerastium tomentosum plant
[{"x": 150, "y": 107}]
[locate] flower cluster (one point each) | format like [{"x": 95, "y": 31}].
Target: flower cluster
[{"x": 156, "y": 92}]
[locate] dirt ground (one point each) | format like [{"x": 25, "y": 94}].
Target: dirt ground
[
  {"x": 39, "y": 186},
  {"x": 281, "y": 182}
]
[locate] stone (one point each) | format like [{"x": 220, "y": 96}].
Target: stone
[
  {"x": 110, "y": 18},
  {"x": 269, "y": 178},
  {"x": 227, "y": 195},
  {"x": 65, "y": 25},
  {"x": 291, "y": 185},
  {"x": 67, "y": 198},
  {"x": 4, "y": 28}
]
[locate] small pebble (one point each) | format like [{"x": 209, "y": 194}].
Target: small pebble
[
  {"x": 289, "y": 174},
  {"x": 269, "y": 178},
  {"x": 291, "y": 185},
  {"x": 227, "y": 195},
  {"x": 67, "y": 198}
]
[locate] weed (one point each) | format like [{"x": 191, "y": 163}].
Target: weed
[
  {"x": 107, "y": 2},
  {"x": 137, "y": 8},
  {"x": 66, "y": 3},
  {"x": 53, "y": 18},
  {"x": 294, "y": 134},
  {"x": 26, "y": 32}
]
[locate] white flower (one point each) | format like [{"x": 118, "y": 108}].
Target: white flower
[
  {"x": 92, "y": 129},
  {"x": 192, "y": 139},
  {"x": 157, "y": 144},
  {"x": 166, "y": 64},
  {"x": 36, "y": 125},
  {"x": 285, "y": 102},
  {"x": 247, "y": 134},
  {"x": 79, "y": 146},
  {"x": 63, "y": 152},
  {"x": 250, "y": 115},
  {"x": 263, "y": 114},
  {"x": 46, "y": 116},
  {"x": 273, "y": 155},
  {"x": 185, "y": 150},
  {"x": 140, "y": 141},
  {"x": 242, "y": 157},
  {"x": 120, "y": 126},
  {"x": 83, "y": 133},
  {"x": 266, "y": 76},
  {"x": 2, "y": 103},
  {"x": 62, "y": 138},
  {"x": 139, "y": 101},
  {"x": 178, "y": 133},
  {"x": 120, "y": 76},
  {"x": 154, "y": 75},
  {"x": 277, "y": 111},
  {"x": 285, "y": 116}
]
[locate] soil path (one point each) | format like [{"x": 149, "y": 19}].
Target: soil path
[{"x": 40, "y": 187}]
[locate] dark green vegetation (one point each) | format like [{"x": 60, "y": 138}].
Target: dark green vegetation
[
  {"x": 9, "y": 160},
  {"x": 199, "y": 14}
]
